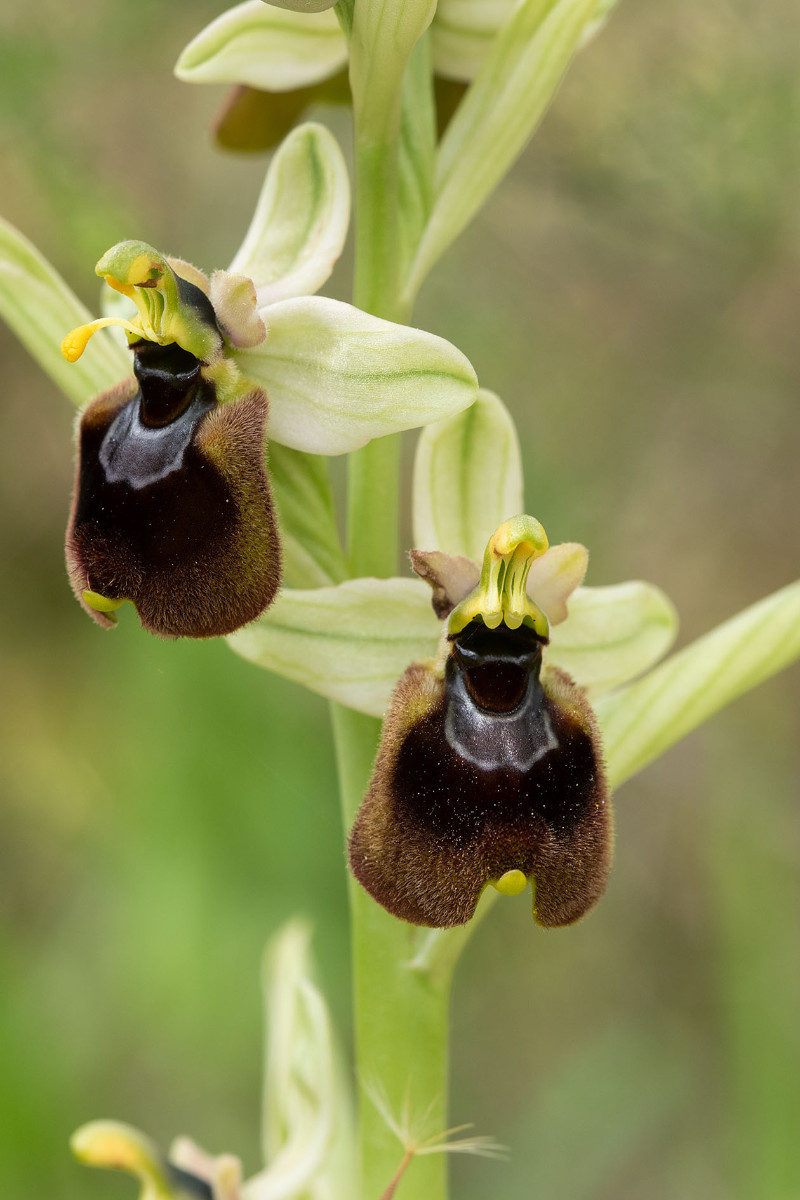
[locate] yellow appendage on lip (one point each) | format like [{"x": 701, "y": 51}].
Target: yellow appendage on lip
[{"x": 510, "y": 884}]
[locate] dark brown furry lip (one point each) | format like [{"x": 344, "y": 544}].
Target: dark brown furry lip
[
  {"x": 471, "y": 787},
  {"x": 172, "y": 508}
]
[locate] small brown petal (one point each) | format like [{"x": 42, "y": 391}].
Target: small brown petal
[
  {"x": 252, "y": 121},
  {"x": 451, "y": 578}
]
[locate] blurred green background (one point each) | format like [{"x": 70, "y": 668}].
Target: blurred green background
[{"x": 632, "y": 293}]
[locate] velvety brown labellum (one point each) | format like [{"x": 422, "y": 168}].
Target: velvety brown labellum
[
  {"x": 482, "y": 771},
  {"x": 252, "y": 121},
  {"x": 172, "y": 507}
]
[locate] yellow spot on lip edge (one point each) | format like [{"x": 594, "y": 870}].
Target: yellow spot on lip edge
[
  {"x": 103, "y": 604},
  {"x": 511, "y": 883}
]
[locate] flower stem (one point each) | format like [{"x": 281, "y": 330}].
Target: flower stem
[{"x": 401, "y": 1013}]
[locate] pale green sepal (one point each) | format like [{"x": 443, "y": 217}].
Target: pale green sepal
[
  {"x": 467, "y": 479},
  {"x": 462, "y": 35},
  {"x": 307, "y": 1123},
  {"x": 500, "y": 112},
  {"x": 312, "y": 552},
  {"x": 303, "y": 6},
  {"x": 350, "y": 643},
  {"x": 41, "y": 309},
  {"x": 300, "y": 223},
  {"x": 337, "y": 377},
  {"x": 643, "y": 720},
  {"x": 613, "y": 634},
  {"x": 463, "y": 31},
  {"x": 119, "y": 1147},
  {"x": 275, "y": 49}
]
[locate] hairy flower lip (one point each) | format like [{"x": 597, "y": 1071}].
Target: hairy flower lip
[
  {"x": 173, "y": 513},
  {"x": 490, "y": 768}
]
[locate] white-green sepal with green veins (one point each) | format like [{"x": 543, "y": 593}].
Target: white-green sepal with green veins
[
  {"x": 640, "y": 722},
  {"x": 300, "y": 223},
  {"x": 41, "y": 308},
  {"x": 350, "y": 643},
  {"x": 307, "y": 1125},
  {"x": 312, "y": 553},
  {"x": 462, "y": 35},
  {"x": 500, "y": 112},
  {"x": 613, "y": 634},
  {"x": 337, "y": 377},
  {"x": 273, "y": 48},
  {"x": 303, "y": 6},
  {"x": 467, "y": 478},
  {"x": 463, "y": 32}
]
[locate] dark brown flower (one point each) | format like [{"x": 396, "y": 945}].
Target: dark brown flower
[
  {"x": 172, "y": 507},
  {"x": 490, "y": 768}
]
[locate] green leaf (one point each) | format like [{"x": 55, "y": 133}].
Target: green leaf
[
  {"x": 275, "y": 49},
  {"x": 312, "y": 552},
  {"x": 337, "y": 377},
  {"x": 467, "y": 479},
  {"x": 498, "y": 115},
  {"x": 300, "y": 223},
  {"x": 643, "y": 720},
  {"x": 350, "y": 643},
  {"x": 41, "y": 309},
  {"x": 612, "y": 634}
]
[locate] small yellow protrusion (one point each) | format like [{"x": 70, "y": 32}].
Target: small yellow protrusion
[
  {"x": 126, "y": 289},
  {"x": 74, "y": 343},
  {"x": 511, "y": 884},
  {"x": 103, "y": 604}
]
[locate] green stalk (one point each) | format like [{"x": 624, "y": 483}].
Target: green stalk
[{"x": 401, "y": 1012}]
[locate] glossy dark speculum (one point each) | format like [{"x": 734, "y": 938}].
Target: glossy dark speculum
[
  {"x": 172, "y": 507},
  {"x": 499, "y": 770}
]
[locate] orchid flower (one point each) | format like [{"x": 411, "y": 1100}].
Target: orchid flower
[{"x": 173, "y": 505}]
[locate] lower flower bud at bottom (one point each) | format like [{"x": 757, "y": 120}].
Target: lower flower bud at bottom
[{"x": 489, "y": 771}]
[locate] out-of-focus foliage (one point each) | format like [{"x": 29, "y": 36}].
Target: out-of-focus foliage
[{"x": 631, "y": 293}]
